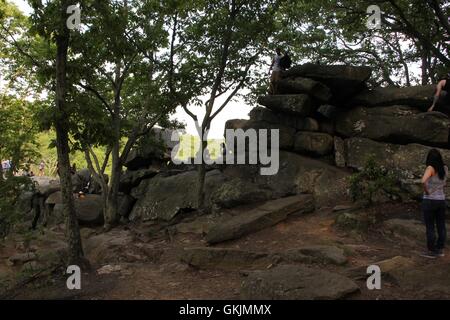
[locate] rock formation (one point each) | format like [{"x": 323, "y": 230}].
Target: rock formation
[{"x": 329, "y": 124}]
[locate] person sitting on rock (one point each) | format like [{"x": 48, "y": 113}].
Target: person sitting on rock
[
  {"x": 442, "y": 91},
  {"x": 434, "y": 204},
  {"x": 275, "y": 71}
]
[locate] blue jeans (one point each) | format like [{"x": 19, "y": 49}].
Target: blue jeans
[{"x": 434, "y": 218}]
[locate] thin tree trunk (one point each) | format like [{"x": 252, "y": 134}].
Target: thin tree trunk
[
  {"x": 201, "y": 177},
  {"x": 99, "y": 176},
  {"x": 425, "y": 68},
  {"x": 75, "y": 254},
  {"x": 111, "y": 214}
]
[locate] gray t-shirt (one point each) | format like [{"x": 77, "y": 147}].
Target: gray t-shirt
[{"x": 436, "y": 187}]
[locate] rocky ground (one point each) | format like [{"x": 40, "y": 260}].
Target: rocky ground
[
  {"x": 290, "y": 235},
  {"x": 306, "y": 256}
]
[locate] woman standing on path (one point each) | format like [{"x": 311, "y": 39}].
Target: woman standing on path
[{"x": 434, "y": 204}]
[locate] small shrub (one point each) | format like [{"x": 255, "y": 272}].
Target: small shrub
[{"x": 372, "y": 180}]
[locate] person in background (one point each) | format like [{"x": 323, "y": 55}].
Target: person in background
[
  {"x": 275, "y": 71},
  {"x": 41, "y": 169},
  {"x": 434, "y": 204},
  {"x": 6, "y": 167},
  {"x": 442, "y": 92}
]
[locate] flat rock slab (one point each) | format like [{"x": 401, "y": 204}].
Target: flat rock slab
[
  {"x": 295, "y": 104},
  {"x": 264, "y": 216},
  {"x": 288, "y": 282},
  {"x": 344, "y": 81},
  {"x": 429, "y": 281},
  {"x": 299, "y": 123},
  {"x": 418, "y": 96},
  {"x": 317, "y": 253},
  {"x": 394, "y": 267},
  {"x": 224, "y": 258},
  {"x": 296, "y": 85},
  {"x": 286, "y": 133},
  {"x": 397, "y": 124}
]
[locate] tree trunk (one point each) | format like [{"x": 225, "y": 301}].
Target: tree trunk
[
  {"x": 425, "y": 67},
  {"x": 111, "y": 214},
  {"x": 75, "y": 254},
  {"x": 201, "y": 176}
]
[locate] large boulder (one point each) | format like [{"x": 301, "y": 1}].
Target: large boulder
[
  {"x": 46, "y": 186},
  {"x": 298, "y": 174},
  {"x": 343, "y": 80},
  {"x": 151, "y": 150},
  {"x": 313, "y": 143},
  {"x": 163, "y": 197},
  {"x": 295, "y": 104},
  {"x": 54, "y": 198},
  {"x": 115, "y": 246},
  {"x": 290, "y": 282},
  {"x": 407, "y": 160},
  {"x": 237, "y": 192},
  {"x": 419, "y": 97},
  {"x": 131, "y": 179},
  {"x": 286, "y": 134},
  {"x": 297, "y": 85},
  {"x": 89, "y": 210},
  {"x": 264, "y": 216},
  {"x": 397, "y": 124}
]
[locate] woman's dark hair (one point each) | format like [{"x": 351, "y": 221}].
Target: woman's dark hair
[{"x": 434, "y": 159}]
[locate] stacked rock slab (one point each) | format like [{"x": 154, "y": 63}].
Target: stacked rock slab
[
  {"x": 327, "y": 112},
  {"x": 304, "y": 108}
]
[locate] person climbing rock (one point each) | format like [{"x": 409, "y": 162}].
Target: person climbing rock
[
  {"x": 442, "y": 92},
  {"x": 275, "y": 71},
  {"x": 434, "y": 203}
]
